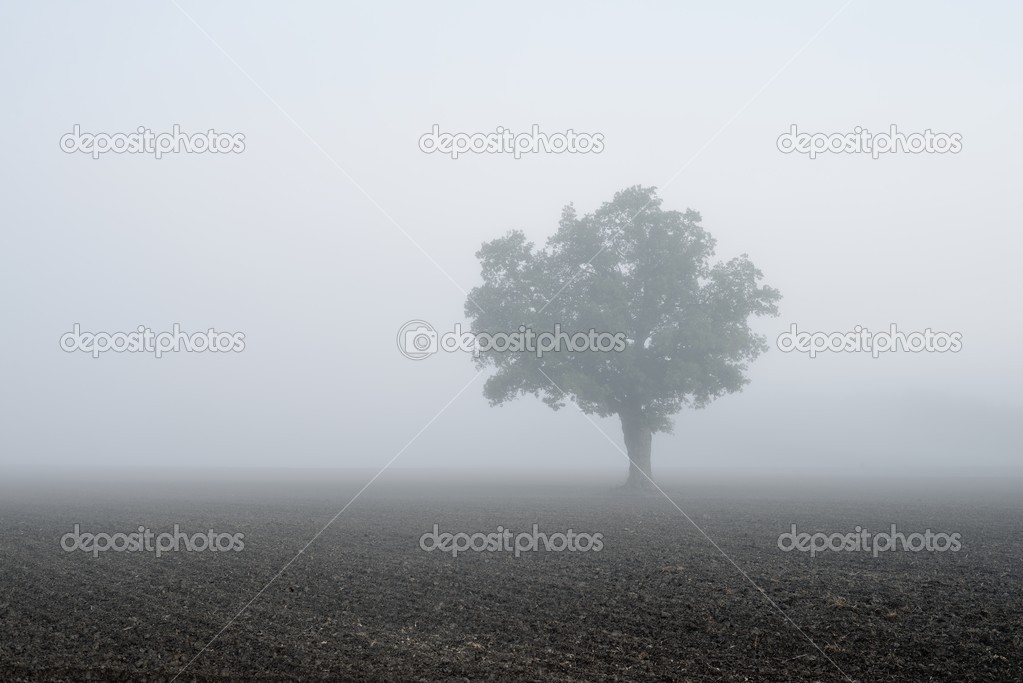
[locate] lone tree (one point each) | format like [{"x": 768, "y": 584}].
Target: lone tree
[{"x": 634, "y": 268}]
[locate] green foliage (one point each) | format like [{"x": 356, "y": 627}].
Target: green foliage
[{"x": 628, "y": 267}]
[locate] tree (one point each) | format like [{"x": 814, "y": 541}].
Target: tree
[{"x": 628, "y": 267}]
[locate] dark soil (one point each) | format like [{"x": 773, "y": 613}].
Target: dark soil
[{"x": 365, "y": 603}]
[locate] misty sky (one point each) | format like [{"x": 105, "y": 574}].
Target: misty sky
[{"x": 279, "y": 243}]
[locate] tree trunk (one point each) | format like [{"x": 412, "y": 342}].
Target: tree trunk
[{"x": 637, "y": 442}]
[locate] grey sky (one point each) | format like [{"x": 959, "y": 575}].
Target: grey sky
[{"x": 277, "y": 243}]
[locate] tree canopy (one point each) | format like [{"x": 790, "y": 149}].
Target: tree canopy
[{"x": 628, "y": 267}]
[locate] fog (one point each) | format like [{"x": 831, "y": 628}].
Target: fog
[{"x": 333, "y": 229}]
